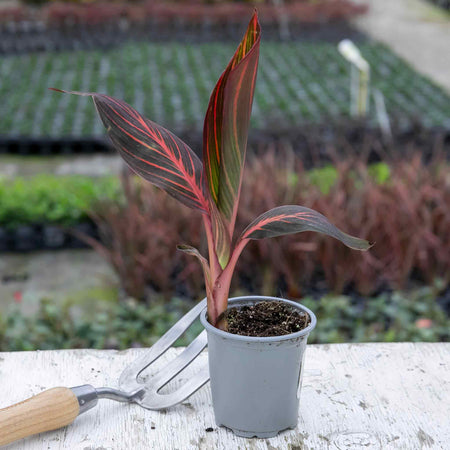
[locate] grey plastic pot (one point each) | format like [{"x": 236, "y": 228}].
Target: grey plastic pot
[{"x": 256, "y": 381}]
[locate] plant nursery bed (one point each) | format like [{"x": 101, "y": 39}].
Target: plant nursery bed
[
  {"x": 298, "y": 84},
  {"x": 87, "y": 314},
  {"x": 101, "y": 25},
  {"x": 345, "y": 403},
  {"x": 37, "y": 37},
  {"x": 316, "y": 144}
]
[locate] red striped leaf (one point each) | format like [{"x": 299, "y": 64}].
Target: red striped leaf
[
  {"x": 226, "y": 124},
  {"x": 153, "y": 152},
  {"x": 296, "y": 219}
]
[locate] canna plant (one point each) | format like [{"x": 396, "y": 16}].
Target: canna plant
[{"x": 212, "y": 187}]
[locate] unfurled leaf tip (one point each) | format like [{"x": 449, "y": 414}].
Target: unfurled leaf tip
[{"x": 84, "y": 94}]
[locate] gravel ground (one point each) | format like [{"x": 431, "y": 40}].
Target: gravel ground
[
  {"x": 415, "y": 30},
  {"x": 77, "y": 275},
  {"x": 90, "y": 165}
]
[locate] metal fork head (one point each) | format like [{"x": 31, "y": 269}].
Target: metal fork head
[{"x": 149, "y": 395}]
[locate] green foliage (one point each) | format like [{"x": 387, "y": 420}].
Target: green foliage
[
  {"x": 51, "y": 199},
  {"x": 400, "y": 316},
  {"x": 323, "y": 178},
  {"x": 380, "y": 172},
  {"x": 390, "y": 317},
  {"x": 121, "y": 325},
  {"x": 66, "y": 200}
]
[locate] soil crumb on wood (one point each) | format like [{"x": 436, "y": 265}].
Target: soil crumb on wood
[{"x": 264, "y": 319}]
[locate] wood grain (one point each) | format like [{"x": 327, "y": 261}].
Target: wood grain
[
  {"x": 354, "y": 396},
  {"x": 49, "y": 410}
]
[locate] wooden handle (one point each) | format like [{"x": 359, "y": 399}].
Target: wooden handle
[{"x": 46, "y": 411}]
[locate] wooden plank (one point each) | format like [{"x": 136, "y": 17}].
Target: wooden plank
[{"x": 354, "y": 396}]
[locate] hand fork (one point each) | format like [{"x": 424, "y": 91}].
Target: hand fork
[{"x": 58, "y": 407}]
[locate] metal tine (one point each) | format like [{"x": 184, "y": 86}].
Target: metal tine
[
  {"x": 153, "y": 400},
  {"x": 128, "y": 379},
  {"x": 180, "y": 362}
]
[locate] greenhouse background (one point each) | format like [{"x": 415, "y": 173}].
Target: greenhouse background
[{"x": 73, "y": 275}]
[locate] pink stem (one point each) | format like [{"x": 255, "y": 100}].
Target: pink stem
[
  {"x": 214, "y": 265},
  {"x": 213, "y": 260},
  {"x": 221, "y": 288}
]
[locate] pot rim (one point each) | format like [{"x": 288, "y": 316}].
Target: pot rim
[{"x": 284, "y": 337}]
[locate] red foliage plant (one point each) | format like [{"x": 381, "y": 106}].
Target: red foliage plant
[
  {"x": 13, "y": 14},
  {"x": 90, "y": 14},
  {"x": 194, "y": 12},
  {"x": 212, "y": 187},
  {"x": 408, "y": 216},
  {"x": 138, "y": 237}
]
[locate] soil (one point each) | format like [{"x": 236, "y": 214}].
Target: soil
[{"x": 265, "y": 319}]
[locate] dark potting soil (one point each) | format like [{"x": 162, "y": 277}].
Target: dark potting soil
[{"x": 265, "y": 319}]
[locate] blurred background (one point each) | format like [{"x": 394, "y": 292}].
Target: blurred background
[{"x": 351, "y": 117}]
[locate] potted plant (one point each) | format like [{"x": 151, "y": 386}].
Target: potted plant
[{"x": 255, "y": 380}]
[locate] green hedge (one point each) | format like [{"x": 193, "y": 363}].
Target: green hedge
[
  {"x": 413, "y": 316},
  {"x": 50, "y": 199},
  {"x": 66, "y": 200}
]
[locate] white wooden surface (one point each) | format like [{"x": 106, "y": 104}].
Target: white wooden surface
[{"x": 354, "y": 396}]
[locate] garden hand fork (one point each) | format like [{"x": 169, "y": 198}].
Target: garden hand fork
[{"x": 58, "y": 407}]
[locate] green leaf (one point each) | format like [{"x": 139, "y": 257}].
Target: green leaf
[{"x": 296, "y": 219}]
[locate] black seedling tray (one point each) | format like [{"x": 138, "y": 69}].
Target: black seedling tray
[
  {"x": 25, "y": 238},
  {"x": 46, "y": 146}
]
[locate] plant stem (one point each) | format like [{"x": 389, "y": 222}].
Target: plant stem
[
  {"x": 215, "y": 268},
  {"x": 221, "y": 288},
  {"x": 213, "y": 259}
]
